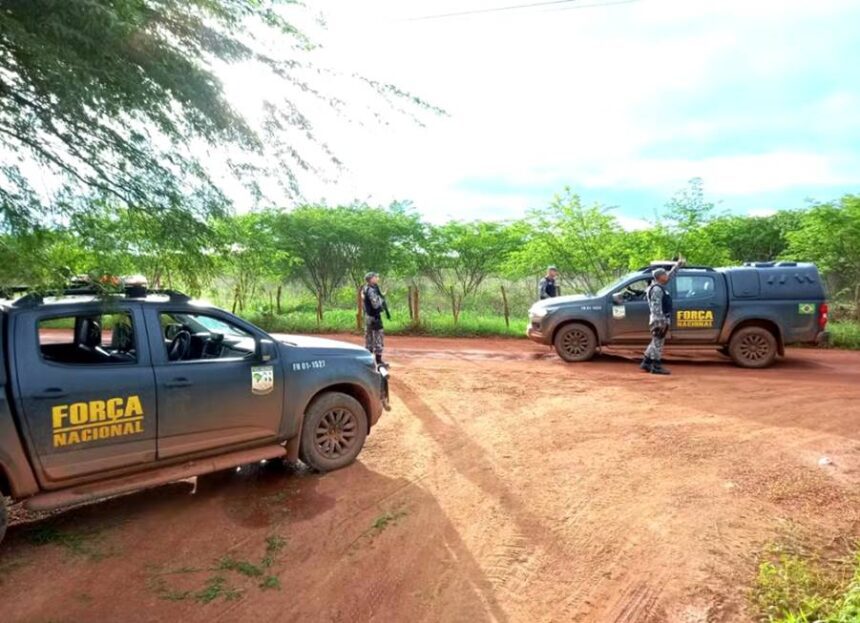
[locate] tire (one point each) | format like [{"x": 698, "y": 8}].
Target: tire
[
  {"x": 575, "y": 342},
  {"x": 4, "y": 517},
  {"x": 753, "y": 347},
  {"x": 333, "y": 432}
]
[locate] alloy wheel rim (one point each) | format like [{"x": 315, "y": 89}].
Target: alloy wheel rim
[{"x": 336, "y": 433}]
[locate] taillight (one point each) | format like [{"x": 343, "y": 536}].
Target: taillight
[{"x": 822, "y": 315}]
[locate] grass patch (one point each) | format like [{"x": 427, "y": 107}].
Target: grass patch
[
  {"x": 471, "y": 324},
  {"x": 274, "y": 544},
  {"x": 794, "y": 588},
  {"x": 87, "y": 544},
  {"x": 385, "y": 520},
  {"x": 844, "y": 335},
  {"x": 216, "y": 588},
  {"x": 270, "y": 582},
  {"x": 242, "y": 567}
]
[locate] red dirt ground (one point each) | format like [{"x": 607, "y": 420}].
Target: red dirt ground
[{"x": 504, "y": 486}]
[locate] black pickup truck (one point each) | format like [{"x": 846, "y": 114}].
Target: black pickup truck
[
  {"x": 103, "y": 395},
  {"x": 748, "y": 312}
]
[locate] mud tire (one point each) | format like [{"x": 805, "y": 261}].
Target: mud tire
[
  {"x": 333, "y": 432},
  {"x": 4, "y": 517},
  {"x": 575, "y": 342},
  {"x": 753, "y": 347}
]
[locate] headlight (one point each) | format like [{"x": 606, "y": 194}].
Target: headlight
[{"x": 538, "y": 313}]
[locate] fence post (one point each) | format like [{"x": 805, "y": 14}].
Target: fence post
[
  {"x": 507, "y": 311},
  {"x": 411, "y": 311},
  {"x": 359, "y": 314},
  {"x": 416, "y": 306}
]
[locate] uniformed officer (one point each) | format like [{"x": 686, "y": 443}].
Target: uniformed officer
[
  {"x": 374, "y": 307},
  {"x": 548, "y": 287},
  {"x": 660, "y": 306}
]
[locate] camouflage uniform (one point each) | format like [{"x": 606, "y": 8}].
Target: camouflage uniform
[
  {"x": 374, "y": 335},
  {"x": 659, "y": 322}
]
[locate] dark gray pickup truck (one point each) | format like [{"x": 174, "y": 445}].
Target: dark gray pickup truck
[
  {"x": 103, "y": 395},
  {"x": 748, "y": 312}
]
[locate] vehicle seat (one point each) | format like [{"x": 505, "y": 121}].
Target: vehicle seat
[
  {"x": 88, "y": 334},
  {"x": 122, "y": 338}
]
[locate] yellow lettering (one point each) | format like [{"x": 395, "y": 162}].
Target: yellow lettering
[
  {"x": 97, "y": 410},
  {"x": 115, "y": 430},
  {"x": 133, "y": 406},
  {"x": 138, "y": 426},
  {"x": 78, "y": 413},
  {"x": 59, "y": 440},
  {"x": 73, "y": 437},
  {"x": 114, "y": 408},
  {"x": 58, "y": 414},
  {"x": 128, "y": 428},
  {"x": 87, "y": 434}
]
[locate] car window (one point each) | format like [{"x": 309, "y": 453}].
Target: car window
[
  {"x": 193, "y": 337},
  {"x": 694, "y": 287},
  {"x": 634, "y": 291},
  {"x": 88, "y": 339}
]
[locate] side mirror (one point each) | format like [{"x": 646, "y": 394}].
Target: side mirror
[
  {"x": 266, "y": 350},
  {"x": 618, "y": 298}
]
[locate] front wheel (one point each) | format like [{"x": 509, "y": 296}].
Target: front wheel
[
  {"x": 753, "y": 347},
  {"x": 575, "y": 342},
  {"x": 333, "y": 432}
]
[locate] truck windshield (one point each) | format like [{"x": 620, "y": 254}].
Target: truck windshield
[{"x": 615, "y": 284}]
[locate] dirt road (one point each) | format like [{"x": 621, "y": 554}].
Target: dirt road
[{"x": 504, "y": 486}]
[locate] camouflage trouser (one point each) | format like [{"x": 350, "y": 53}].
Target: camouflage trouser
[
  {"x": 374, "y": 339},
  {"x": 658, "y": 339}
]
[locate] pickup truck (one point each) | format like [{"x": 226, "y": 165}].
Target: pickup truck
[
  {"x": 104, "y": 395},
  {"x": 747, "y": 312}
]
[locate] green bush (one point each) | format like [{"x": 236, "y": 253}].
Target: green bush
[{"x": 844, "y": 335}]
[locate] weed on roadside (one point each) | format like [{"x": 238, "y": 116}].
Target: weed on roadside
[
  {"x": 274, "y": 544},
  {"x": 800, "y": 587},
  {"x": 217, "y": 587},
  {"x": 243, "y": 567},
  {"x": 385, "y": 520},
  {"x": 271, "y": 582},
  {"x": 89, "y": 544}
]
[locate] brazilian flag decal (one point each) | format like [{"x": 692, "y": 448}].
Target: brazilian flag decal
[{"x": 806, "y": 308}]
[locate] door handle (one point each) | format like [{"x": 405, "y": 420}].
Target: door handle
[
  {"x": 50, "y": 393},
  {"x": 178, "y": 382}
]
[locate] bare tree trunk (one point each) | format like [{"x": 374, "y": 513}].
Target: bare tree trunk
[
  {"x": 857, "y": 303},
  {"x": 319, "y": 307},
  {"x": 506, "y": 309},
  {"x": 454, "y": 311},
  {"x": 235, "y": 297},
  {"x": 278, "y": 301},
  {"x": 411, "y": 311}
]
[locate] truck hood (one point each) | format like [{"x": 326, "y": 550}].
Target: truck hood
[
  {"x": 319, "y": 344},
  {"x": 561, "y": 300}
]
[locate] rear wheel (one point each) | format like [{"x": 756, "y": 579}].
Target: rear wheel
[
  {"x": 753, "y": 347},
  {"x": 333, "y": 432},
  {"x": 575, "y": 342}
]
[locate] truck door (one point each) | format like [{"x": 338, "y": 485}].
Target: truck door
[
  {"x": 699, "y": 307},
  {"x": 86, "y": 390},
  {"x": 628, "y": 318},
  {"x": 212, "y": 390}
]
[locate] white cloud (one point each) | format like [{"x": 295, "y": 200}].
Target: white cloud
[{"x": 539, "y": 99}]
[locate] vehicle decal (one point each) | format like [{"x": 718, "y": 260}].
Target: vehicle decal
[
  {"x": 694, "y": 319},
  {"x": 262, "y": 380},
  {"x": 806, "y": 309},
  {"x": 619, "y": 312},
  {"x": 82, "y": 422},
  {"x": 301, "y": 366}
]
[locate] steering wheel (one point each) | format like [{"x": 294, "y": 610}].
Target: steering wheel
[{"x": 180, "y": 346}]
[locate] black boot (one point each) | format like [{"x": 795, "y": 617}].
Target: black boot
[
  {"x": 379, "y": 362},
  {"x": 657, "y": 368},
  {"x": 646, "y": 364}
]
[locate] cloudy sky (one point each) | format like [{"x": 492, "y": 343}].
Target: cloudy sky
[{"x": 622, "y": 102}]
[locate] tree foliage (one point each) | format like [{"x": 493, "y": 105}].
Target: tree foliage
[{"x": 121, "y": 99}]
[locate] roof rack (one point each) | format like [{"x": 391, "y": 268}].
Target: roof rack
[
  {"x": 770, "y": 264},
  {"x": 669, "y": 265},
  {"x": 33, "y": 299}
]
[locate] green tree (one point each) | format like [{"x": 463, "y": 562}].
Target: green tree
[
  {"x": 585, "y": 242},
  {"x": 458, "y": 257},
  {"x": 122, "y": 98},
  {"x": 683, "y": 226},
  {"x": 829, "y": 235},
  {"x": 754, "y": 238}
]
